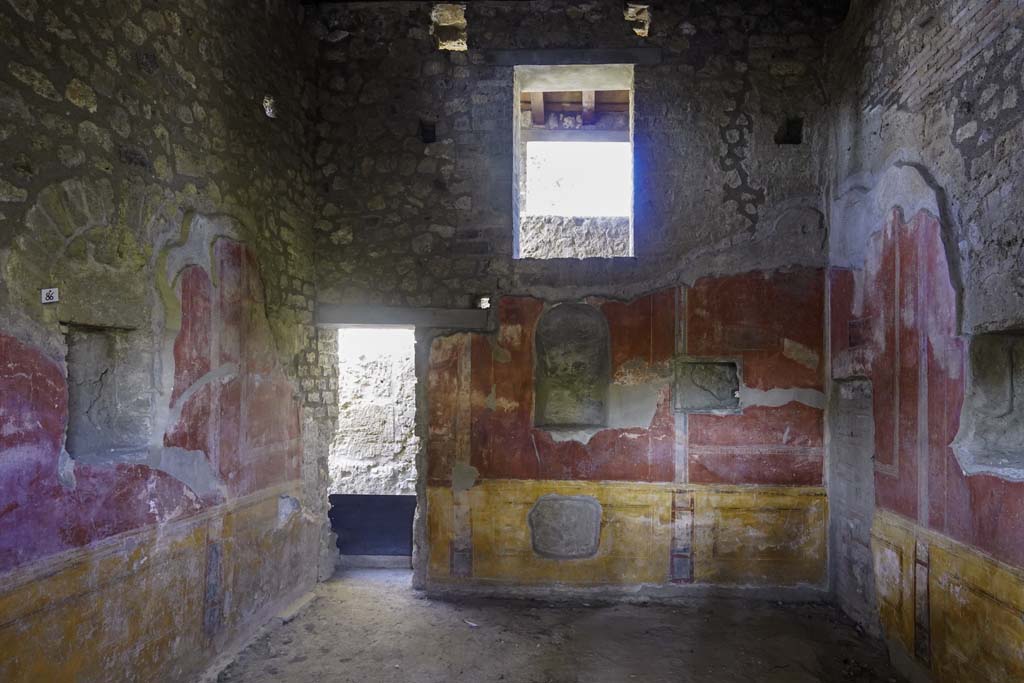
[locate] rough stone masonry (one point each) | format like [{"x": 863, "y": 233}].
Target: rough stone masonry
[{"x": 801, "y": 383}]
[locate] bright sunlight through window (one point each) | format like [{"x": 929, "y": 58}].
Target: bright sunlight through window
[
  {"x": 578, "y": 178},
  {"x": 373, "y": 342}
]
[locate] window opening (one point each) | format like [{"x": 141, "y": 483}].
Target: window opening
[{"x": 574, "y": 161}]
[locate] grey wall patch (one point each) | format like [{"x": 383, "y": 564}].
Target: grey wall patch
[
  {"x": 633, "y": 405},
  {"x": 630, "y": 406},
  {"x": 865, "y": 201},
  {"x": 463, "y": 476},
  {"x": 565, "y": 527}
]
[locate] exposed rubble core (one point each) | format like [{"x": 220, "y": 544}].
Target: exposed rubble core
[
  {"x": 641, "y": 16},
  {"x": 449, "y": 25},
  {"x": 374, "y": 448}
]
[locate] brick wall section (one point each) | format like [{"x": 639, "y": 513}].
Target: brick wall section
[
  {"x": 938, "y": 84},
  {"x": 318, "y": 375},
  {"x": 927, "y": 45}
]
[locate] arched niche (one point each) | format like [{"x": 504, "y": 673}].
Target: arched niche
[{"x": 572, "y": 370}]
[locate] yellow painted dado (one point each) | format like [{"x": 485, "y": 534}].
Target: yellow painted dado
[
  {"x": 975, "y": 603},
  {"x": 132, "y": 607},
  {"x": 893, "y": 551},
  {"x": 635, "y": 534},
  {"x": 735, "y": 534},
  {"x": 756, "y": 536}
]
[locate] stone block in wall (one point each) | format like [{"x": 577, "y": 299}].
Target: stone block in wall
[
  {"x": 449, "y": 25},
  {"x": 703, "y": 385},
  {"x": 565, "y": 527}
]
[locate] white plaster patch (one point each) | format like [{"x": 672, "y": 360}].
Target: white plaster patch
[
  {"x": 800, "y": 353},
  {"x": 773, "y": 398},
  {"x": 287, "y": 508},
  {"x": 865, "y": 205},
  {"x": 905, "y": 187}
]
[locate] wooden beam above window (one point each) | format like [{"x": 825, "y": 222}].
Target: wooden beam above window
[
  {"x": 588, "y": 106},
  {"x": 537, "y": 107}
]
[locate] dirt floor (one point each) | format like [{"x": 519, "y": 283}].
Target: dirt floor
[{"x": 369, "y": 626}]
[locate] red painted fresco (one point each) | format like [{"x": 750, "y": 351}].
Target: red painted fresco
[
  {"x": 773, "y": 323},
  {"x": 236, "y": 408},
  {"x": 254, "y": 440},
  {"x": 773, "y": 320},
  {"x": 38, "y": 514},
  {"x": 502, "y": 441},
  {"x": 763, "y": 445},
  {"x": 731, "y": 316},
  {"x": 192, "y": 345},
  {"x": 192, "y": 361},
  {"x": 642, "y": 330},
  {"x": 900, "y": 332}
]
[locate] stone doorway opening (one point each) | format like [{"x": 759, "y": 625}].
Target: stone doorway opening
[{"x": 372, "y": 461}]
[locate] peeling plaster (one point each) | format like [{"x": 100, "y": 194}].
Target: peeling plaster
[
  {"x": 865, "y": 201},
  {"x": 773, "y": 398}
]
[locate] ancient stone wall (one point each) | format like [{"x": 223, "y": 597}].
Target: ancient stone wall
[
  {"x": 925, "y": 246},
  {"x": 419, "y": 219},
  {"x": 155, "y": 166}
]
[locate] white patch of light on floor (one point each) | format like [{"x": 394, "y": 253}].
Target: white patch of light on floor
[
  {"x": 375, "y": 342},
  {"x": 578, "y": 178}
]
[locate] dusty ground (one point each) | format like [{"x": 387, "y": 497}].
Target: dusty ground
[{"x": 369, "y": 626}]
